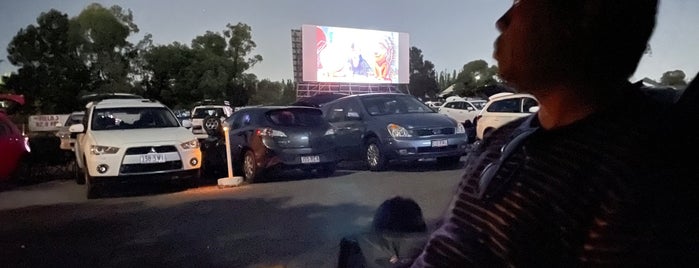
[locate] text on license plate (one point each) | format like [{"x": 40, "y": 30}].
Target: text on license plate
[
  {"x": 152, "y": 158},
  {"x": 310, "y": 159},
  {"x": 439, "y": 143}
]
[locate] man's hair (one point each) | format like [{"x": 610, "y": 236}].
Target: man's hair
[
  {"x": 608, "y": 37},
  {"x": 399, "y": 214}
]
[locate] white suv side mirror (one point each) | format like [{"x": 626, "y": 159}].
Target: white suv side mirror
[
  {"x": 77, "y": 128},
  {"x": 533, "y": 109},
  {"x": 187, "y": 123}
]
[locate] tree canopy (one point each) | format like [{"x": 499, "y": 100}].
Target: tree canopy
[
  {"x": 59, "y": 58},
  {"x": 423, "y": 83}
]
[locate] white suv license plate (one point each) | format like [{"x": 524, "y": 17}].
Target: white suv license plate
[
  {"x": 152, "y": 158},
  {"x": 439, "y": 143},
  {"x": 310, "y": 159}
]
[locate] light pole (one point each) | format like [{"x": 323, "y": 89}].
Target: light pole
[{"x": 229, "y": 181}]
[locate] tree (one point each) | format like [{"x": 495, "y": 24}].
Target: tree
[
  {"x": 213, "y": 68},
  {"x": 423, "y": 83},
  {"x": 674, "y": 79},
  {"x": 267, "y": 92},
  {"x": 103, "y": 46},
  {"x": 473, "y": 76},
  {"x": 288, "y": 93},
  {"x": 50, "y": 72}
]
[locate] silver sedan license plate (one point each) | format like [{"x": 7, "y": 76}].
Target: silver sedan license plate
[
  {"x": 310, "y": 159},
  {"x": 152, "y": 158}
]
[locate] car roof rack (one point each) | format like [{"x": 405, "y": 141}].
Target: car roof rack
[
  {"x": 104, "y": 96},
  {"x": 212, "y": 102}
]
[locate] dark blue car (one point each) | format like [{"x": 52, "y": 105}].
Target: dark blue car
[
  {"x": 380, "y": 127},
  {"x": 267, "y": 137}
]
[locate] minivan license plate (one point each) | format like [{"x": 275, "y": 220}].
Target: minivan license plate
[
  {"x": 439, "y": 143},
  {"x": 152, "y": 158},
  {"x": 310, "y": 159}
]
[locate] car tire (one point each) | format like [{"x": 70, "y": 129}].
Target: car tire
[
  {"x": 78, "y": 173},
  {"x": 448, "y": 161},
  {"x": 327, "y": 170},
  {"x": 91, "y": 190},
  {"x": 375, "y": 159},
  {"x": 251, "y": 171}
]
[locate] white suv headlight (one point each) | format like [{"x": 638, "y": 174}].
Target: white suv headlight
[
  {"x": 193, "y": 144},
  {"x": 460, "y": 129},
  {"x": 397, "y": 131},
  {"x": 99, "y": 150}
]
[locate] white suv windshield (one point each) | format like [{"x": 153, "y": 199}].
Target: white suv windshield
[{"x": 131, "y": 118}]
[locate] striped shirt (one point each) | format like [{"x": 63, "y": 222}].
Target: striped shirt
[{"x": 569, "y": 197}]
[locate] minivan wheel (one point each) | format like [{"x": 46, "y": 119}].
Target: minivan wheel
[{"x": 374, "y": 157}]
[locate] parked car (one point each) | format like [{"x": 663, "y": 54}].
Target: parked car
[
  {"x": 207, "y": 115},
  {"x": 503, "y": 108},
  {"x": 281, "y": 137},
  {"x": 67, "y": 140},
  {"x": 13, "y": 144},
  {"x": 465, "y": 112},
  {"x": 138, "y": 140},
  {"x": 434, "y": 105},
  {"x": 380, "y": 127}
]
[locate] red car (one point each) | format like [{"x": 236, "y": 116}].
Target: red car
[{"x": 13, "y": 144}]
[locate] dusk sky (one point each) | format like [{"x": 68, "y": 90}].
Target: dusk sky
[{"x": 449, "y": 33}]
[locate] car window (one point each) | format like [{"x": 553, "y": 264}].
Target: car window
[
  {"x": 450, "y": 105},
  {"x": 337, "y": 112},
  {"x": 240, "y": 120},
  {"x": 74, "y": 119},
  {"x": 478, "y": 104},
  {"x": 296, "y": 117},
  {"x": 204, "y": 112},
  {"x": 505, "y": 106},
  {"x": 133, "y": 117},
  {"x": 393, "y": 104},
  {"x": 528, "y": 103}
]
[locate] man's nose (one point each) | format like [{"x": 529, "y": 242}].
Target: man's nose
[{"x": 504, "y": 21}]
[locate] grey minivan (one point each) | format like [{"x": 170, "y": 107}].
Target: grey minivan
[{"x": 380, "y": 127}]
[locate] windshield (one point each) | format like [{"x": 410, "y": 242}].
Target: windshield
[
  {"x": 394, "y": 104},
  {"x": 130, "y": 118},
  {"x": 479, "y": 104}
]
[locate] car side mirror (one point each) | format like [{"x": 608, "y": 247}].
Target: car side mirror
[
  {"x": 186, "y": 123},
  {"x": 470, "y": 108},
  {"x": 533, "y": 109},
  {"x": 59, "y": 124},
  {"x": 77, "y": 128},
  {"x": 354, "y": 116}
]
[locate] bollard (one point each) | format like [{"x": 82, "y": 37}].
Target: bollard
[{"x": 229, "y": 181}]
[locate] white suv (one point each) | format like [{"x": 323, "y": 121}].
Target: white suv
[
  {"x": 133, "y": 139},
  {"x": 208, "y": 117},
  {"x": 503, "y": 108},
  {"x": 463, "y": 111}
]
